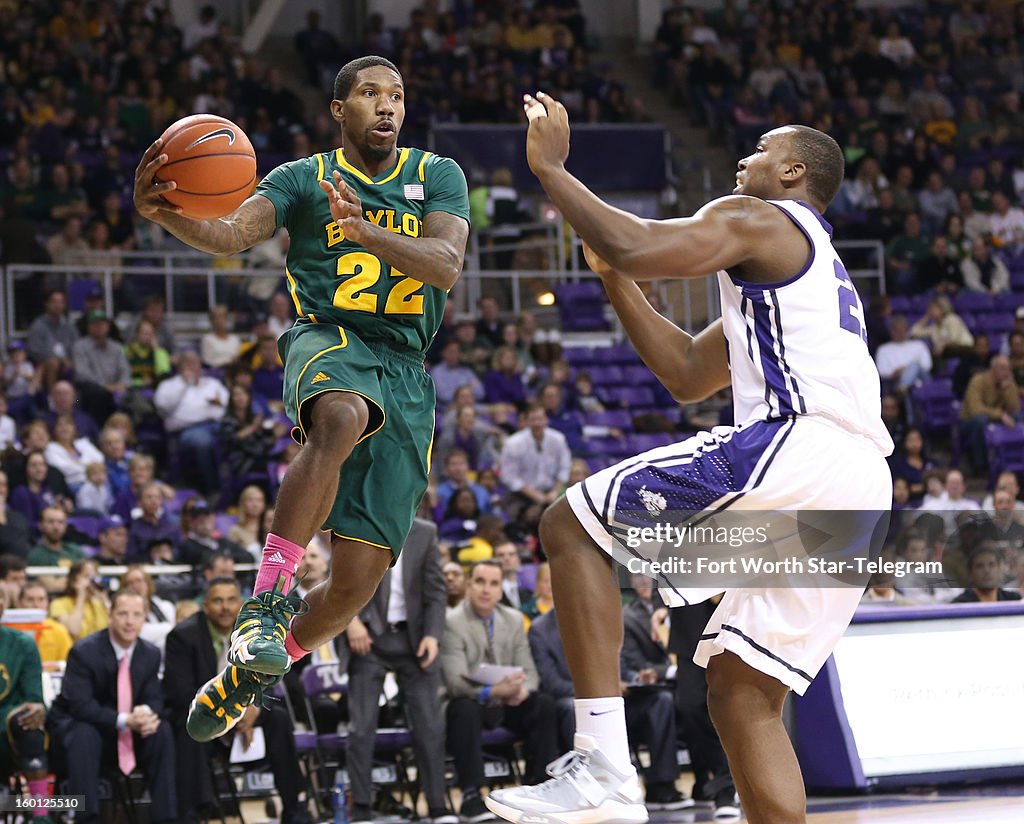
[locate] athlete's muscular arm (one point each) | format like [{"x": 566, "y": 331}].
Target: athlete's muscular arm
[
  {"x": 435, "y": 258},
  {"x": 690, "y": 368},
  {"x": 726, "y": 233},
  {"x": 251, "y": 223}
]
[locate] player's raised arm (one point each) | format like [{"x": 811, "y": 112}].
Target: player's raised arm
[
  {"x": 724, "y": 234},
  {"x": 690, "y": 368},
  {"x": 251, "y": 223},
  {"x": 435, "y": 257}
]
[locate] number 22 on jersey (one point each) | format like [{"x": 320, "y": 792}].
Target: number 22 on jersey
[{"x": 361, "y": 271}]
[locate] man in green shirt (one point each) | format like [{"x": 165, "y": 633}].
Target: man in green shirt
[
  {"x": 23, "y": 748},
  {"x": 52, "y": 549},
  {"x": 377, "y": 239}
]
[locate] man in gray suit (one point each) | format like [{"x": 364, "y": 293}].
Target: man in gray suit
[
  {"x": 398, "y": 630},
  {"x": 480, "y": 630}
]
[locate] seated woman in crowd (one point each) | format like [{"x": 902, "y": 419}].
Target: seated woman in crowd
[
  {"x": 504, "y": 381},
  {"x": 946, "y": 330},
  {"x": 83, "y": 608},
  {"x": 459, "y": 522},
  {"x": 247, "y": 439},
  {"x": 69, "y": 453},
  {"x": 39, "y": 490},
  {"x": 247, "y": 531},
  {"x": 910, "y": 463}
]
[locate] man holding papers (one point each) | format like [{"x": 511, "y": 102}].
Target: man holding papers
[{"x": 481, "y": 638}]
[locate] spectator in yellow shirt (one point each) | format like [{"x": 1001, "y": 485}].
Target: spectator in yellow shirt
[
  {"x": 54, "y": 640},
  {"x": 82, "y": 609}
]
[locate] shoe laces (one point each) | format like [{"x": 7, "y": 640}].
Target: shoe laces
[
  {"x": 277, "y": 607},
  {"x": 260, "y": 685},
  {"x": 564, "y": 768}
]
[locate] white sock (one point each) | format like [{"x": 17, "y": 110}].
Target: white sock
[{"x": 604, "y": 719}]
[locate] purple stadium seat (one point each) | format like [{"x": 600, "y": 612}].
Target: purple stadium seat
[
  {"x": 78, "y": 289},
  {"x": 1005, "y": 449},
  {"x": 633, "y": 397},
  {"x": 994, "y": 323},
  {"x": 621, "y": 353},
  {"x": 638, "y": 375},
  {"x": 642, "y": 442},
  {"x": 581, "y": 356},
  {"x": 581, "y": 306},
  {"x": 901, "y": 305},
  {"x": 606, "y": 376},
  {"x": 934, "y": 405},
  {"x": 176, "y": 503},
  {"x": 617, "y": 418},
  {"x": 88, "y": 524},
  {"x": 965, "y": 302}
]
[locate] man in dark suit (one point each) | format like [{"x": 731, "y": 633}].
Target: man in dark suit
[
  {"x": 399, "y": 630},
  {"x": 195, "y": 652},
  {"x": 649, "y": 713},
  {"x": 109, "y": 711},
  {"x": 506, "y": 553},
  {"x": 482, "y": 631}
]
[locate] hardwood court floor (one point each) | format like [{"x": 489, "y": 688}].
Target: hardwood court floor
[{"x": 997, "y": 805}]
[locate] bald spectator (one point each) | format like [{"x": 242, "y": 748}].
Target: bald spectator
[
  {"x": 63, "y": 400},
  {"x": 992, "y": 397}
]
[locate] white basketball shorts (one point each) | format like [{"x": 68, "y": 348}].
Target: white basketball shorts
[{"x": 801, "y": 465}]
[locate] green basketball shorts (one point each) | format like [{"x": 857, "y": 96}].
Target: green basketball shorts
[{"x": 383, "y": 480}]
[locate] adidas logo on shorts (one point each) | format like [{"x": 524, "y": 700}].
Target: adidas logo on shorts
[{"x": 320, "y": 376}]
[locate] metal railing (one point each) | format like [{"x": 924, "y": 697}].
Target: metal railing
[{"x": 690, "y": 303}]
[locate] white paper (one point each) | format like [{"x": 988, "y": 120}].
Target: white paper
[
  {"x": 257, "y": 748},
  {"x": 491, "y": 674}
]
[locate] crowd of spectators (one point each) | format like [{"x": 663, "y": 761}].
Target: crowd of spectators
[
  {"x": 85, "y": 88},
  {"x": 122, "y": 444}
]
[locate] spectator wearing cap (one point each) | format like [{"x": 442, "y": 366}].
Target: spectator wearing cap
[
  {"x": 51, "y": 337},
  {"x": 151, "y": 523},
  {"x": 191, "y": 406},
  {"x": 94, "y": 302},
  {"x": 101, "y": 368},
  {"x": 199, "y": 539},
  {"x": 20, "y": 380},
  {"x": 113, "y": 537}
]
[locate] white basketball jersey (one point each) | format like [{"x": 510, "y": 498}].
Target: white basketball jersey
[{"x": 799, "y": 347}]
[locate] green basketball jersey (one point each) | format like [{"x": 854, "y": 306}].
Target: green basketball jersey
[{"x": 333, "y": 280}]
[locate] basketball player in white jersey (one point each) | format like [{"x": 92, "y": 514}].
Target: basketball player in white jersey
[{"x": 808, "y": 437}]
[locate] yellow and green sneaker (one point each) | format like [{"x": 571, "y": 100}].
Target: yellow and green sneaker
[
  {"x": 222, "y": 701},
  {"x": 257, "y": 641}
]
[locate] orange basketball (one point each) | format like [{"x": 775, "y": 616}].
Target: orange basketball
[{"x": 213, "y": 163}]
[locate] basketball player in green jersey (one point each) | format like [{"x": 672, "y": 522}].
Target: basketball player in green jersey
[{"x": 378, "y": 235}]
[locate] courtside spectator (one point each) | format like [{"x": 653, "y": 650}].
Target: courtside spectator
[
  {"x": 82, "y": 608},
  {"x": 54, "y": 640}
]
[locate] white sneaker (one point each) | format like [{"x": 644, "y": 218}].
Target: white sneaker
[{"x": 584, "y": 788}]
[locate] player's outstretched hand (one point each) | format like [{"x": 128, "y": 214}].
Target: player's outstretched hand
[
  {"x": 547, "y": 139},
  {"x": 346, "y": 207},
  {"x": 596, "y": 264},
  {"x": 148, "y": 193}
]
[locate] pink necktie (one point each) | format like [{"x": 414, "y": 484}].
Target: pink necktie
[{"x": 125, "y": 747}]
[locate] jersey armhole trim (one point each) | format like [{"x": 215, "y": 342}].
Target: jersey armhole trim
[
  {"x": 779, "y": 284},
  {"x": 420, "y": 173},
  {"x": 319, "y": 167}
]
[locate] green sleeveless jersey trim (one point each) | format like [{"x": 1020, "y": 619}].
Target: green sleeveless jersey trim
[{"x": 333, "y": 280}]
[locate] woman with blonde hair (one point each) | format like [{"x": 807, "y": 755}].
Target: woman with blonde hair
[
  {"x": 542, "y": 600},
  {"x": 69, "y": 453},
  {"x": 248, "y": 531},
  {"x": 944, "y": 328}
]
